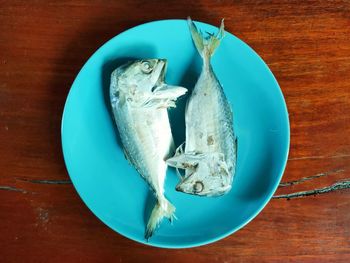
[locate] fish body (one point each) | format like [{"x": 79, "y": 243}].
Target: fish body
[
  {"x": 209, "y": 157},
  {"x": 140, "y": 99}
]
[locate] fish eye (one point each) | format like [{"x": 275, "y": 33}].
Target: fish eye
[
  {"x": 198, "y": 187},
  {"x": 146, "y": 67}
]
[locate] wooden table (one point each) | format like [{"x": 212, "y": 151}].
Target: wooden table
[{"x": 43, "y": 46}]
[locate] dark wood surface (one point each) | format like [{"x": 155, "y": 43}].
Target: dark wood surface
[{"x": 43, "y": 46}]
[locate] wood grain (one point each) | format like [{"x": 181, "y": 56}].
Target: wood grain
[{"x": 44, "y": 44}]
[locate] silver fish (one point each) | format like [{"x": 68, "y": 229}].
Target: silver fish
[
  {"x": 140, "y": 99},
  {"x": 209, "y": 158}
]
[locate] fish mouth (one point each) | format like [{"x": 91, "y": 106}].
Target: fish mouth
[
  {"x": 159, "y": 74},
  {"x": 162, "y": 67},
  {"x": 179, "y": 186}
]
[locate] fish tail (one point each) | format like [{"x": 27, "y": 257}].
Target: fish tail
[
  {"x": 162, "y": 209},
  {"x": 206, "y": 46}
]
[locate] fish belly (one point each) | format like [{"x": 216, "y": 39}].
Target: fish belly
[
  {"x": 202, "y": 119},
  {"x": 147, "y": 140}
]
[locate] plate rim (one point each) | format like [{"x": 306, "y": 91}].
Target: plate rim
[{"x": 209, "y": 240}]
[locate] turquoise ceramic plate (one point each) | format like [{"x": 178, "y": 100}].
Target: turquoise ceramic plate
[{"x": 114, "y": 191}]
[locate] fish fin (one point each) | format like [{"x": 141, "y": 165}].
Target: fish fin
[
  {"x": 185, "y": 160},
  {"x": 175, "y": 92},
  {"x": 206, "y": 46},
  {"x": 179, "y": 174},
  {"x": 163, "y": 208},
  {"x": 197, "y": 36},
  {"x": 167, "y": 95},
  {"x": 180, "y": 150},
  {"x": 164, "y": 97}
]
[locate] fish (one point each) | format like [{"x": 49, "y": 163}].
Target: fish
[
  {"x": 209, "y": 157},
  {"x": 140, "y": 99}
]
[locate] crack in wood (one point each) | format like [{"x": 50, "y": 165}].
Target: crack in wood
[
  {"x": 304, "y": 179},
  {"x": 36, "y": 181},
  {"x": 334, "y": 187},
  {"x": 319, "y": 157},
  {"x": 50, "y": 181},
  {"x": 10, "y": 188}
]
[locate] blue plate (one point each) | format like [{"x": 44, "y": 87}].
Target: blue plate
[{"x": 113, "y": 190}]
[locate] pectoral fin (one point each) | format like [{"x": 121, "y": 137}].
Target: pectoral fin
[
  {"x": 185, "y": 160},
  {"x": 164, "y": 96}
]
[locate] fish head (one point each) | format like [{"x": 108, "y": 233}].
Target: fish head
[
  {"x": 141, "y": 83},
  {"x": 196, "y": 184},
  {"x": 206, "y": 179},
  {"x": 142, "y": 75}
]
